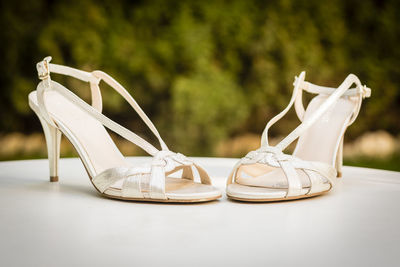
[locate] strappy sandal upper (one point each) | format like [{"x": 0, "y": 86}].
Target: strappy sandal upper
[
  {"x": 268, "y": 174},
  {"x": 152, "y": 181}
]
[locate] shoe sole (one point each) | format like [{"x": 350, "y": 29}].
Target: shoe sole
[{"x": 276, "y": 199}]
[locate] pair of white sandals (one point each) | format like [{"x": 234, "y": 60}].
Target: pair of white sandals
[{"x": 266, "y": 174}]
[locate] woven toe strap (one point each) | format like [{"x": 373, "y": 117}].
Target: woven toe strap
[
  {"x": 148, "y": 181},
  {"x": 271, "y": 156}
]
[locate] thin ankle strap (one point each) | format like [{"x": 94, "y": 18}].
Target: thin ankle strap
[
  {"x": 44, "y": 69},
  {"x": 317, "y": 89},
  {"x": 360, "y": 91},
  {"x": 334, "y": 94}
]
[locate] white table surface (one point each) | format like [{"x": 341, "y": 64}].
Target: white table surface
[{"x": 69, "y": 224}]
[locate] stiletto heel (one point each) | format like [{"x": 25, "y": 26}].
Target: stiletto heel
[
  {"x": 339, "y": 159},
  {"x": 61, "y": 111},
  {"x": 53, "y": 140},
  {"x": 268, "y": 174}
]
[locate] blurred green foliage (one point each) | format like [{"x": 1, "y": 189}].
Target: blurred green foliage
[
  {"x": 204, "y": 70},
  {"x": 388, "y": 163}
]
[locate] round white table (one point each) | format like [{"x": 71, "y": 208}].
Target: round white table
[{"x": 69, "y": 224}]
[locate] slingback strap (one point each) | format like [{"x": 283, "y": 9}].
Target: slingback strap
[
  {"x": 334, "y": 96},
  {"x": 44, "y": 69},
  {"x": 46, "y": 84},
  {"x": 317, "y": 89},
  {"x": 299, "y": 84},
  {"x": 362, "y": 91}
]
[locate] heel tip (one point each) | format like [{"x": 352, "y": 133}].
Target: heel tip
[
  {"x": 339, "y": 175},
  {"x": 53, "y": 178}
]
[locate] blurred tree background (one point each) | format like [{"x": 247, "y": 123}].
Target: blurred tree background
[{"x": 210, "y": 74}]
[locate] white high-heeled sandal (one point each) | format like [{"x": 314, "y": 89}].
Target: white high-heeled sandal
[
  {"x": 62, "y": 112},
  {"x": 267, "y": 174}
]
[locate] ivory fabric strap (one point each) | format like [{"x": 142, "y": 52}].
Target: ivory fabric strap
[
  {"x": 45, "y": 68},
  {"x": 124, "y": 93},
  {"x": 299, "y": 85}
]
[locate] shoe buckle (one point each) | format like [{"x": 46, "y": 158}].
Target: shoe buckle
[
  {"x": 365, "y": 91},
  {"x": 43, "y": 68}
]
